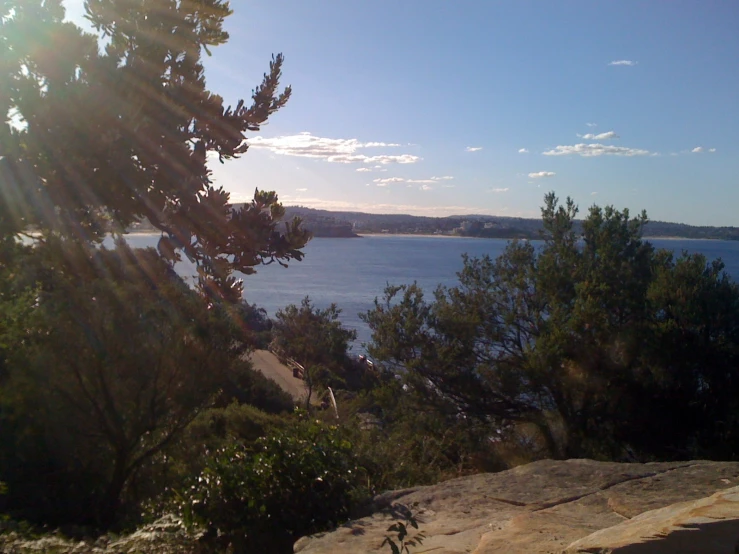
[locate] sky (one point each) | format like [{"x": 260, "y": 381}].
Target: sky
[{"x": 441, "y": 107}]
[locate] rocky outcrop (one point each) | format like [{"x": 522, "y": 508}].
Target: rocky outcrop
[
  {"x": 573, "y": 506},
  {"x": 709, "y": 525}
]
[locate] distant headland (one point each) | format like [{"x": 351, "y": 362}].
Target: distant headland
[
  {"x": 325, "y": 223},
  {"x": 329, "y": 223}
]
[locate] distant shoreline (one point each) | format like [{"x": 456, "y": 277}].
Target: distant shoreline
[
  {"x": 419, "y": 235},
  {"x": 685, "y": 238},
  {"x": 432, "y": 236}
]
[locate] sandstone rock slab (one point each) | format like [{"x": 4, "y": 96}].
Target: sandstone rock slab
[
  {"x": 539, "y": 508},
  {"x": 709, "y": 526}
]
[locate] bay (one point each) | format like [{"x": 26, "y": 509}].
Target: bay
[{"x": 353, "y": 272}]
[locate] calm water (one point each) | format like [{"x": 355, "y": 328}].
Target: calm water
[{"x": 352, "y": 272}]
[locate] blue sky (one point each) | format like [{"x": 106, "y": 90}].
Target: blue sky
[{"x": 440, "y": 107}]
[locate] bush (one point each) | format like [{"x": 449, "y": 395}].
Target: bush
[{"x": 261, "y": 498}]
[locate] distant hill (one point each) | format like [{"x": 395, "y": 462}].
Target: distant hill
[
  {"x": 485, "y": 225},
  {"x": 325, "y": 223}
]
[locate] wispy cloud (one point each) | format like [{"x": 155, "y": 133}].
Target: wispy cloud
[
  {"x": 388, "y": 181},
  {"x": 523, "y": 150},
  {"x": 363, "y": 169},
  {"x": 499, "y": 190},
  {"x": 425, "y": 188},
  {"x": 594, "y": 150},
  {"x": 541, "y": 174},
  {"x": 608, "y": 135},
  {"x": 344, "y": 151},
  {"x": 593, "y": 194},
  {"x": 430, "y": 180},
  {"x": 301, "y": 190},
  {"x": 624, "y": 62},
  {"x": 473, "y": 148},
  {"x": 711, "y": 150},
  {"x": 591, "y": 124}
]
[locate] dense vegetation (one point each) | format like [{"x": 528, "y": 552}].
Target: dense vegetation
[
  {"x": 608, "y": 347},
  {"x": 126, "y": 394}
]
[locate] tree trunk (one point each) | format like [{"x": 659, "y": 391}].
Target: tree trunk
[{"x": 111, "y": 502}]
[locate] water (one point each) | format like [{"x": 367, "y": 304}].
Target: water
[{"x": 353, "y": 272}]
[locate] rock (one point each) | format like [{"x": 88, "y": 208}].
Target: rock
[
  {"x": 709, "y": 526},
  {"x": 539, "y": 508}
]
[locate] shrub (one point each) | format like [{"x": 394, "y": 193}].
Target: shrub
[{"x": 261, "y": 498}]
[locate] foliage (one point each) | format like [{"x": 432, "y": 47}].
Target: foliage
[
  {"x": 402, "y": 444},
  {"x": 256, "y": 324},
  {"x": 107, "y": 356},
  {"x": 317, "y": 340},
  {"x": 144, "y": 151},
  {"x": 401, "y": 543},
  {"x": 117, "y": 357},
  {"x": 312, "y": 336},
  {"x": 260, "y": 498},
  {"x": 597, "y": 339},
  {"x": 215, "y": 428}
]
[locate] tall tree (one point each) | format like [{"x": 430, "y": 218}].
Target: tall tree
[
  {"x": 100, "y": 131},
  {"x": 595, "y": 338}
]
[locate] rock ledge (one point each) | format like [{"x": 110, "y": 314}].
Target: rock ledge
[{"x": 573, "y": 506}]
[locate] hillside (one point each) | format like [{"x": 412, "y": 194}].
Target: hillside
[
  {"x": 485, "y": 225},
  {"x": 325, "y": 223}
]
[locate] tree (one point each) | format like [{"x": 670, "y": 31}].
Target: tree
[
  {"x": 108, "y": 355},
  {"x": 101, "y": 131},
  {"x": 119, "y": 355},
  {"x": 316, "y": 339},
  {"x": 573, "y": 336}
]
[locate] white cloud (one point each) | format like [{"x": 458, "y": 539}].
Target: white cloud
[
  {"x": 591, "y": 124},
  {"x": 523, "y": 150},
  {"x": 473, "y": 148},
  {"x": 541, "y": 174},
  {"x": 301, "y": 190},
  {"x": 331, "y": 150},
  {"x": 623, "y": 62},
  {"x": 600, "y": 136},
  {"x": 593, "y": 194},
  {"x": 697, "y": 150},
  {"x": 416, "y": 181},
  {"x": 448, "y": 186},
  {"x": 498, "y": 190},
  {"x": 711, "y": 150},
  {"x": 593, "y": 150},
  {"x": 425, "y": 187},
  {"x": 388, "y": 181},
  {"x": 363, "y": 169}
]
